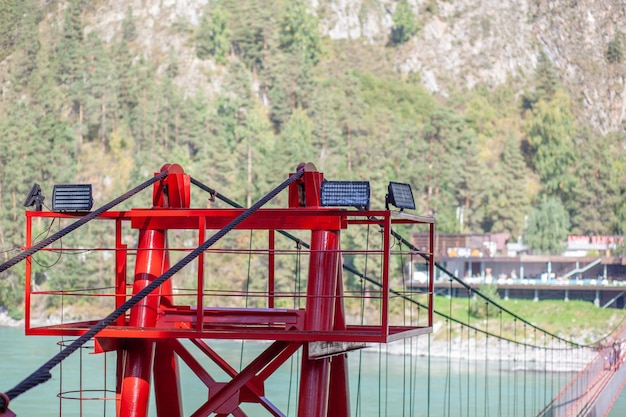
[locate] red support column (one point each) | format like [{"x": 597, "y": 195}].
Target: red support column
[
  {"x": 137, "y": 370},
  {"x": 152, "y": 261},
  {"x": 167, "y": 391},
  {"x": 320, "y": 313},
  {"x": 339, "y": 397}
]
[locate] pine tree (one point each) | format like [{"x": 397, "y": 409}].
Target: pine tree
[
  {"x": 615, "y": 50},
  {"x": 548, "y": 226},
  {"x": 546, "y": 82},
  {"x": 404, "y": 24},
  {"x": 11, "y": 12},
  {"x": 213, "y": 36},
  {"x": 129, "y": 30},
  {"x": 550, "y": 129},
  {"x": 28, "y": 45},
  {"x": 69, "y": 51},
  {"x": 299, "y": 34},
  {"x": 512, "y": 202},
  {"x": 100, "y": 91},
  {"x": 596, "y": 195}
]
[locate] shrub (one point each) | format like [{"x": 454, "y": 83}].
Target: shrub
[{"x": 479, "y": 307}]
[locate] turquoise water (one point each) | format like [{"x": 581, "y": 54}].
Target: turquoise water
[{"x": 380, "y": 384}]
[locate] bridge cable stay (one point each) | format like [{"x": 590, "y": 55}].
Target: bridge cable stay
[
  {"x": 42, "y": 374},
  {"x": 215, "y": 194},
  {"x": 364, "y": 277},
  {"x": 488, "y": 332}
]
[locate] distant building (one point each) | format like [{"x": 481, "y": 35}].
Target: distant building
[
  {"x": 584, "y": 270},
  {"x": 471, "y": 255}
]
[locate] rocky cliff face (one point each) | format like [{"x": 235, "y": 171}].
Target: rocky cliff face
[
  {"x": 460, "y": 42},
  {"x": 494, "y": 41}
]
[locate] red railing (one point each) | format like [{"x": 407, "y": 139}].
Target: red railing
[{"x": 271, "y": 304}]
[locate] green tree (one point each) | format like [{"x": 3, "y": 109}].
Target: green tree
[
  {"x": 548, "y": 226},
  {"x": 546, "y": 82},
  {"x": 213, "y": 36},
  {"x": 100, "y": 91},
  {"x": 69, "y": 50},
  {"x": 595, "y": 198},
  {"x": 11, "y": 12},
  {"x": 615, "y": 49},
  {"x": 129, "y": 30},
  {"x": 299, "y": 34},
  {"x": 479, "y": 307},
  {"x": 512, "y": 202},
  {"x": 447, "y": 143},
  {"x": 131, "y": 83},
  {"x": 550, "y": 126},
  {"x": 288, "y": 73},
  {"x": 327, "y": 136},
  {"x": 254, "y": 26},
  {"x": 404, "y": 23},
  {"x": 296, "y": 140},
  {"x": 28, "y": 45}
]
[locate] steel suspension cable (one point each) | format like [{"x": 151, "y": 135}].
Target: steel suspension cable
[
  {"x": 346, "y": 267},
  {"x": 78, "y": 223},
  {"x": 456, "y": 279},
  {"x": 43, "y": 373},
  {"x": 232, "y": 203},
  {"x": 439, "y": 313},
  {"x": 225, "y": 199}
]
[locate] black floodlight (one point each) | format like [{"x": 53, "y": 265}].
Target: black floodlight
[
  {"x": 400, "y": 196},
  {"x": 34, "y": 198},
  {"x": 346, "y": 194},
  {"x": 72, "y": 197}
]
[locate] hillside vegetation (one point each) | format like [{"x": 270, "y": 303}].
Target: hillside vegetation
[{"x": 239, "y": 91}]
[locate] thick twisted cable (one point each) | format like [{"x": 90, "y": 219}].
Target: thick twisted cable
[
  {"x": 43, "y": 373},
  {"x": 411, "y": 246},
  {"x": 78, "y": 223},
  {"x": 232, "y": 203}
]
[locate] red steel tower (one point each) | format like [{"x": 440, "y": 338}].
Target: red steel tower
[{"x": 148, "y": 339}]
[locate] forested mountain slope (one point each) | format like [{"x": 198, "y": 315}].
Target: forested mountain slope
[{"x": 505, "y": 116}]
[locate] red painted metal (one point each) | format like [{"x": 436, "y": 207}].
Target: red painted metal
[
  {"x": 271, "y": 264},
  {"x": 152, "y": 261},
  {"x": 147, "y": 340},
  {"x": 306, "y": 192},
  {"x": 219, "y": 402},
  {"x": 320, "y": 308},
  {"x": 167, "y": 391},
  {"x": 136, "y": 383},
  {"x": 339, "y": 390},
  {"x": 27, "y": 287}
]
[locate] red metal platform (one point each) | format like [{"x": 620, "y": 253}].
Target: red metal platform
[{"x": 323, "y": 312}]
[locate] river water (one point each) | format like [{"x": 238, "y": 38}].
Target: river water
[{"x": 380, "y": 384}]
